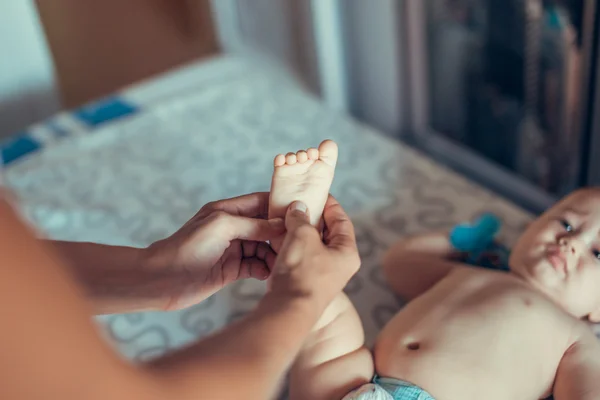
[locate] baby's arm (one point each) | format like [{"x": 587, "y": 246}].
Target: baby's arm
[
  {"x": 333, "y": 360},
  {"x": 413, "y": 265},
  {"x": 578, "y": 375}
]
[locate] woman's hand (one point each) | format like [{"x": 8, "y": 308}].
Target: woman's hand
[
  {"x": 259, "y": 349},
  {"x": 313, "y": 268},
  {"x": 224, "y": 242}
]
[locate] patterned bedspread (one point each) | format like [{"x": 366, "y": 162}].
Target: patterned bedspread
[{"x": 133, "y": 168}]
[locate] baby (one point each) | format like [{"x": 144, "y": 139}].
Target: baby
[{"x": 467, "y": 333}]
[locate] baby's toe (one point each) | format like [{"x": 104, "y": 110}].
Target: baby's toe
[
  {"x": 328, "y": 152},
  {"x": 302, "y": 156},
  {"x": 313, "y": 154},
  {"x": 290, "y": 158},
  {"x": 279, "y": 160}
]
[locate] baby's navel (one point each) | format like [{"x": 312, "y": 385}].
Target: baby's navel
[{"x": 413, "y": 346}]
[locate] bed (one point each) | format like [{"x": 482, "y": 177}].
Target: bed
[{"x": 131, "y": 168}]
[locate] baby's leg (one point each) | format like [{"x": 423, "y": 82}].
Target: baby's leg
[
  {"x": 415, "y": 264},
  {"x": 304, "y": 176},
  {"x": 334, "y": 360}
]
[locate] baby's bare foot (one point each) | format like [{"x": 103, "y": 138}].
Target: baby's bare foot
[{"x": 305, "y": 176}]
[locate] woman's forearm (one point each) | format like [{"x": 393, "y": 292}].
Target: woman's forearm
[
  {"x": 115, "y": 278},
  {"x": 246, "y": 360},
  {"x": 51, "y": 335}
]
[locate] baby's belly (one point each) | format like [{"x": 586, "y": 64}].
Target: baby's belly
[
  {"x": 465, "y": 373},
  {"x": 471, "y": 352}
]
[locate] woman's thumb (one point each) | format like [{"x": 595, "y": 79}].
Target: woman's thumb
[{"x": 297, "y": 215}]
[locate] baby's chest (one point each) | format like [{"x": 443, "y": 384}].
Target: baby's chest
[
  {"x": 506, "y": 319},
  {"x": 518, "y": 336},
  {"x": 503, "y": 304},
  {"x": 499, "y": 305}
]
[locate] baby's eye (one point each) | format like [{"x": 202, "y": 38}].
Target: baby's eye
[
  {"x": 568, "y": 227},
  {"x": 596, "y": 254}
]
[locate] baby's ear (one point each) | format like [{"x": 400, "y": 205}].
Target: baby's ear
[{"x": 595, "y": 316}]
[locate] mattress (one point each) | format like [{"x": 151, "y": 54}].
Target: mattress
[{"x": 132, "y": 168}]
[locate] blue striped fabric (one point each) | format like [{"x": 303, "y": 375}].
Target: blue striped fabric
[
  {"x": 401, "y": 390},
  {"x": 63, "y": 125},
  {"x": 104, "y": 111}
]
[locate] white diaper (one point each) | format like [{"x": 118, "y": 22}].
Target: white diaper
[{"x": 370, "y": 391}]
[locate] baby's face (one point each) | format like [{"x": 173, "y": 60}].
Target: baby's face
[{"x": 559, "y": 253}]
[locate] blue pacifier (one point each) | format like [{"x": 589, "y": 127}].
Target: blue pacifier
[
  {"x": 477, "y": 241},
  {"x": 477, "y": 236}
]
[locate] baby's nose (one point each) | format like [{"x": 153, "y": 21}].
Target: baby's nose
[{"x": 570, "y": 246}]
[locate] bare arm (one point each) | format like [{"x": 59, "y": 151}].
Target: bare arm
[
  {"x": 52, "y": 336},
  {"x": 223, "y": 242},
  {"x": 413, "y": 265},
  {"x": 115, "y": 278},
  {"x": 578, "y": 375},
  {"x": 247, "y": 360}
]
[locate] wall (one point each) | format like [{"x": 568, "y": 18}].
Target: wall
[
  {"x": 329, "y": 38},
  {"x": 282, "y": 30},
  {"x": 348, "y": 50},
  {"x": 373, "y": 49},
  {"x": 27, "y": 85},
  {"x": 354, "y": 60},
  {"x": 225, "y": 15}
]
